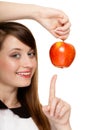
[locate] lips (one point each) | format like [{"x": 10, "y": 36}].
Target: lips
[{"x": 25, "y": 74}]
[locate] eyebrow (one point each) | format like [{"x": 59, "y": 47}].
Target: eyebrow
[
  {"x": 15, "y": 49},
  {"x": 18, "y": 49}
]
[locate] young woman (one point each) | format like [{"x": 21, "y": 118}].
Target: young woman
[
  {"x": 20, "y": 107},
  {"x": 54, "y": 20}
]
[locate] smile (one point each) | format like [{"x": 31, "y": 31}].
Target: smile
[{"x": 24, "y": 74}]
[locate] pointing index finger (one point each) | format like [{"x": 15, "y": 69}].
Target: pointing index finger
[{"x": 52, "y": 88}]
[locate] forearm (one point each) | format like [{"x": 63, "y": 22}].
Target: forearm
[{"x": 14, "y": 11}]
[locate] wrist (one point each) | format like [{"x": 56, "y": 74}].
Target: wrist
[
  {"x": 38, "y": 13},
  {"x": 64, "y": 127}
]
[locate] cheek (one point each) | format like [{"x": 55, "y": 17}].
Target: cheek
[{"x": 7, "y": 66}]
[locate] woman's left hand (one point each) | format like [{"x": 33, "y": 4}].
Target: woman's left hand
[{"x": 57, "y": 110}]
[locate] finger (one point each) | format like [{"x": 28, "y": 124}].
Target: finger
[
  {"x": 66, "y": 108},
  {"x": 46, "y": 110},
  {"x": 53, "y": 106},
  {"x": 61, "y": 33},
  {"x": 58, "y": 108},
  {"x": 64, "y": 27},
  {"x": 64, "y": 20},
  {"x": 64, "y": 37},
  {"x": 55, "y": 34},
  {"x": 52, "y": 88}
]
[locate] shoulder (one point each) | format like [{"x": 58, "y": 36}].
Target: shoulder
[{"x": 12, "y": 121}]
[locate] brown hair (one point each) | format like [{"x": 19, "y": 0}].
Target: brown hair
[{"x": 27, "y": 95}]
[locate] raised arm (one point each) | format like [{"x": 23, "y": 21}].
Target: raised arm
[
  {"x": 14, "y": 11},
  {"x": 54, "y": 20}
]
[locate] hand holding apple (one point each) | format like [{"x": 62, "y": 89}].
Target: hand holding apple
[{"x": 62, "y": 54}]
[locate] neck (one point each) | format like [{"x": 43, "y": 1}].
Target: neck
[{"x": 9, "y": 97}]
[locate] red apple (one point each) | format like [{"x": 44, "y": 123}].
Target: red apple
[{"x": 62, "y": 54}]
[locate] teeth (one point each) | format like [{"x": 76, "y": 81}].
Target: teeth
[{"x": 24, "y": 73}]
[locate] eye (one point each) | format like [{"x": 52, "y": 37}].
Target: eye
[
  {"x": 31, "y": 54},
  {"x": 16, "y": 55}
]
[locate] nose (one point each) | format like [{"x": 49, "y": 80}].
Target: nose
[{"x": 27, "y": 62}]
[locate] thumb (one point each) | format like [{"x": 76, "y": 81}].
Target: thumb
[{"x": 46, "y": 110}]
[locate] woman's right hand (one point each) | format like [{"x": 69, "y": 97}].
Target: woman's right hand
[{"x": 55, "y": 21}]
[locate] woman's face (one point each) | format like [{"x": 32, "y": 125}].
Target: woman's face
[{"x": 17, "y": 63}]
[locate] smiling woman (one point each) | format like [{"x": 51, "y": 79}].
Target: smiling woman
[
  {"x": 18, "y": 69},
  {"x": 18, "y": 85}
]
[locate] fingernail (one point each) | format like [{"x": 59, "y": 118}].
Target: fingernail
[{"x": 51, "y": 114}]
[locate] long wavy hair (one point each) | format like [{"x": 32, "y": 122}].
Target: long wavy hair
[{"x": 27, "y": 96}]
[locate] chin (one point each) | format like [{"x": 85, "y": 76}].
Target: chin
[{"x": 26, "y": 84}]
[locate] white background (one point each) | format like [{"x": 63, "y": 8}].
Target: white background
[{"x": 72, "y": 82}]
